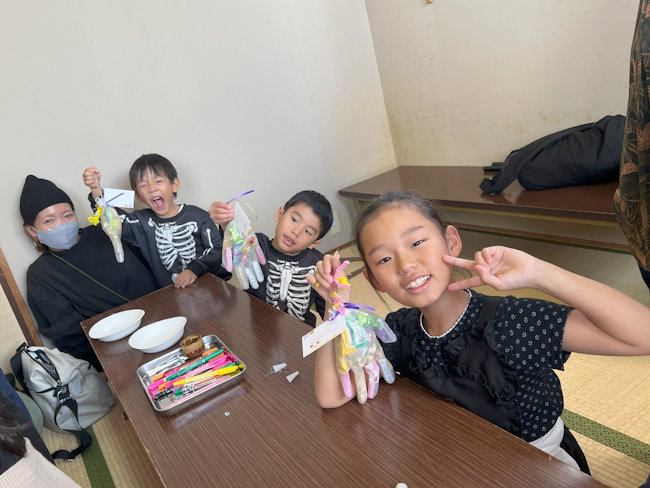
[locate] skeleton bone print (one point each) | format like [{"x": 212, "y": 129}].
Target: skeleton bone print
[
  {"x": 287, "y": 287},
  {"x": 175, "y": 241}
]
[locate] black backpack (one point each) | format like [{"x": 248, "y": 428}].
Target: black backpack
[{"x": 588, "y": 153}]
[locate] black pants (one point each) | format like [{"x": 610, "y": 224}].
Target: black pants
[
  {"x": 572, "y": 448},
  {"x": 86, "y": 353},
  {"x": 646, "y": 484},
  {"x": 646, "y": 276}
]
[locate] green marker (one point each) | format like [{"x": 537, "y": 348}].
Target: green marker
[{"x": 194, "y": 365}]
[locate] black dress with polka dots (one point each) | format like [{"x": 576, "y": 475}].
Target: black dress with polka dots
[{"x": 497, "y": 361}]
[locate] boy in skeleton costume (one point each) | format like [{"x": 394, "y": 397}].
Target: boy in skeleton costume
[
  {"x": 290, "y": 256},
  {"x": 179, "y": 242}
]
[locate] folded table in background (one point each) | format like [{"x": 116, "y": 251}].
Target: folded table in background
[
  {"x": 581, "y": 215},
  {"x": 266, "y": 431}
]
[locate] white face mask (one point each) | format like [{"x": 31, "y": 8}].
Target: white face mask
[{"x": 62, "y": 237}]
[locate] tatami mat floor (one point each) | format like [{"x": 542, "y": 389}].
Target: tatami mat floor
[
  {"x": 610, "y": 392},
  {"x": 116, "y": 457}
]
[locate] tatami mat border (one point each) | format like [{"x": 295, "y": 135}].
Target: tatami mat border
[
  {"x": 611, "y": 438},
  {"x": 95, "y": 463}
]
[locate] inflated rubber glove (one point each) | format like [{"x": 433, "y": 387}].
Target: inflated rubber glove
[
  {"x": 242, "y": 253},
  {"x": 111, "y": 225},
  {"x": 357, "y": 348}
]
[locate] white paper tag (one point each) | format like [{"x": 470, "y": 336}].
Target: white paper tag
[
  {"x": 114, "y": 197},
  {"x": 322, "y": 334},
  {"x": 241, "y": 220}
]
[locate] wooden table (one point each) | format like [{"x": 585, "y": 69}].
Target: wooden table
[
  {"x": 581, "y": 215},
  {"x": 266, "y": 431}
]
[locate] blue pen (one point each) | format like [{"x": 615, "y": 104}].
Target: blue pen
[
  {"x": 239, "y": 196},
  {"x": 118, "y": 195}
]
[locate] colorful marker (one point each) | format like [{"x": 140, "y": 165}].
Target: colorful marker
[
  {"x": 177, "y": 367},
  {"x": 193, "y": 387},
  {"x": 216, "y": 362},
  {"x": 224, "y": 370},
  {"x": 194, "y": 365}
]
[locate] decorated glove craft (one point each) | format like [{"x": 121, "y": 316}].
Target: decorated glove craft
[
  {"x": 241, "y": 251},
  {"x": 242, "y": 254},
  {"x": 111, "y": 225},
  {"x": 357, "y": 348}
]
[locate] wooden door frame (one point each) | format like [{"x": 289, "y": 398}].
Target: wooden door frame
[{"x": 15, "y": 299}]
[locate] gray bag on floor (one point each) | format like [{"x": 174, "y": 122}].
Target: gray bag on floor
[{"x": 69, "y": 391}]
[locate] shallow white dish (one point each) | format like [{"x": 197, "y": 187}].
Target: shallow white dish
[
  {"x": 116, "y": 326},
  {"x": 159, "y": 335}
]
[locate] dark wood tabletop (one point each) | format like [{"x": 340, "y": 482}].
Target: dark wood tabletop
[
  {"x": 266, "y": 431},
  {"x": 458, "y": 186}
]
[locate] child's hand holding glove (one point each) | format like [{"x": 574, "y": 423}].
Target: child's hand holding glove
[{"x": 357, "y": 348}]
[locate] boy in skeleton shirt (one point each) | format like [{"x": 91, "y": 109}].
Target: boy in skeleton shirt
[
  {"x": 290, "y": 256},
  {"x": 179, "y": 242}
]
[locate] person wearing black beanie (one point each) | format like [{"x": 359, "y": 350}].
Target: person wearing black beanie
[
  {"x": 57, "y": 227},
  {"x": 39, "y": 194},
  {"x": 76, "y": 276}
]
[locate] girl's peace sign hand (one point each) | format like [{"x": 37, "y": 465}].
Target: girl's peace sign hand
[
  {"x": 323, "y": 279},
  {"x": 500, "y": 267}
]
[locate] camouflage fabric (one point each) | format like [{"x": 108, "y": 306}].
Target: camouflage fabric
[{"x": 632, "y": 199}]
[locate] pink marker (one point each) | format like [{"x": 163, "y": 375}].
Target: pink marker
[
  {"x": 155, "y": 386},
  {"x": 169, "y": 372},
  {"x": 162, "y": 384}
]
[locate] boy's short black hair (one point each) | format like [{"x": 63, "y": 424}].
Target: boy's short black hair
[
  {"x": 319, "y": 205},
  {"x": 157, "y": 164}
]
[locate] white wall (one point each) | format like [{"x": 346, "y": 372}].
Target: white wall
[
  {"x": 467, "y": 81},
  {"x": 277, "y": 96},
  {"x": 285, "y": 95}
]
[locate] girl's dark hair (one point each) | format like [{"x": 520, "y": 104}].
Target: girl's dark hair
[
  {"x": 157, "y": 164},
  {"x": 394, "y": 199},
  {"x": 12, "y": 432}
]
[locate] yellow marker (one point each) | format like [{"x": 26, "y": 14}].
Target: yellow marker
[{"x": 209, "y": 374}]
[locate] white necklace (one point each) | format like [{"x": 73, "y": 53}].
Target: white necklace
[{"x": 453, "y": 326}]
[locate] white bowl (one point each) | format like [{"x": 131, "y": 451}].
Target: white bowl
[
  {"x": 116, "y": 326},
  {"x": 159, "y": 335}
]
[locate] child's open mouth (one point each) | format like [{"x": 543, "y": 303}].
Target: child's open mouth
[
  {"x": 158, "y": 203},
  {"x": 288, "y": 241},
  {"x": 418, "y": 284}
]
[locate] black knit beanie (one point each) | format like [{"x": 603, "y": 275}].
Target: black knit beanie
[{"x": 39, "y": 194}]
